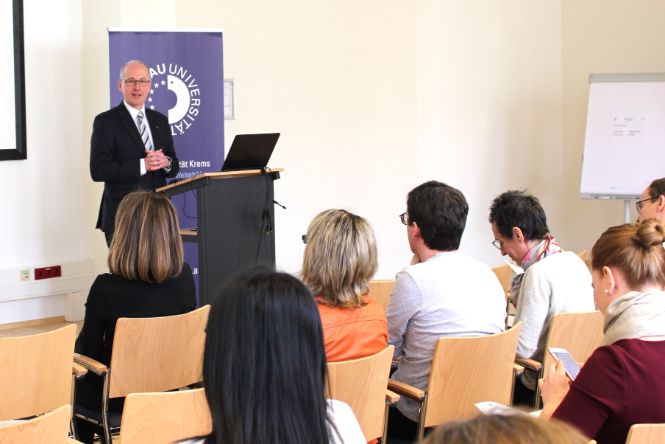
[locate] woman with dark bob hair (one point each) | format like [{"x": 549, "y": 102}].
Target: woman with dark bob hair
[
  {"x": 148, "y": 278},
  {"x": 264, "y": 368},
  {"x": 623, "y": 382}
]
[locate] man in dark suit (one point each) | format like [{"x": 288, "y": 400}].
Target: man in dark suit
[{"x": 131, "y": 146}]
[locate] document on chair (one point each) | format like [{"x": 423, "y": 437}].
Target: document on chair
[{"x": 496, "y": 408}]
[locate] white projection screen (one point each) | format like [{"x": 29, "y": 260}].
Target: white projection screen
[
  {"x": 7, "y": 110},
  {"x": 624, "y": 145}
]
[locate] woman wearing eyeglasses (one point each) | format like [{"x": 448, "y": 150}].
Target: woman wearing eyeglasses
[
  {"x": 623, "y": 382},
  {"x": 340, "y": 258}
]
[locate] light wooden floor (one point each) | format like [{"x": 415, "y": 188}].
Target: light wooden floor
[{"x": 34, "y": 329}]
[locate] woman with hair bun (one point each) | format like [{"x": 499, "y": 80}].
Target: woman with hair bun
[{"x": 623, "y": 382}]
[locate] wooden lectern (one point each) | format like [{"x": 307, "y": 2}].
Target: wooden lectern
[{"x": 235, "y": 214}]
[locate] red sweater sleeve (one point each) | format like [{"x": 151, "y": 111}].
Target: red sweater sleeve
[{"x": 597, "y": 394}]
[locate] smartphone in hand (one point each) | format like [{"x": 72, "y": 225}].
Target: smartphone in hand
[{"x": 561, "y": 354}]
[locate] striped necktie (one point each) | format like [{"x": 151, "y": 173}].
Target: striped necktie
[{"x": 145, "y": 137}]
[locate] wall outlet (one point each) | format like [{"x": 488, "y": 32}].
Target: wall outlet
[{"x": 25, "y": 275}]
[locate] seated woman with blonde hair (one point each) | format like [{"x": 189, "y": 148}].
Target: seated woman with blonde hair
[
  {"x": 340, "y": 258},
  {"x": 148, "y": 278},
  {"x": 505, "y": 429},
  {"x": 623, "y": 381}
]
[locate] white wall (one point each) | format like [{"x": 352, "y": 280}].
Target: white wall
[
  {"x": 41, "y": 221},
  {"x": 372, "y": 98},
  {"x": 40, "y": 204},
  {"x": 339, "y": 83},
  {"x": 489, "y": 104},
  {"x": 601, "y": 36}
]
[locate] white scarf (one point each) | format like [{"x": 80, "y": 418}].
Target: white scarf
[{"x": 635, "y": 315}]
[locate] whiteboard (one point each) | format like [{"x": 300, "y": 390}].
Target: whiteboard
[{"x": 624, "y": 144}]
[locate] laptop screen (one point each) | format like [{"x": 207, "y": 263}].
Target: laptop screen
[{"x": 250, "y": 152}]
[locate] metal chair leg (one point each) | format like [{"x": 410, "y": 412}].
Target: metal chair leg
[
  {"x": 384, "y": 437},
  {"x": 421, "y": 419}
]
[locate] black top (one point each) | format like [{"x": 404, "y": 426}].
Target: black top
[{"x": 112, "y": 297}]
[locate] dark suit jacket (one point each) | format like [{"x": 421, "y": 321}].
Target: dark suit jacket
[
  {"x": 112, "y": 297},
  {"x": 115, "y": 150}
]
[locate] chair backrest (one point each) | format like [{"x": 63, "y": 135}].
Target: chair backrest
[
  {"x": 362, "y": 384},
  {"x": 579, "y": 333},
  {"x": 586, "y": 257},
  {"x": 646, "y": 434},
  {"x": 157, "y": 354},
  {"x": 380, "y": 291},
  {"x": 468, "y": 370},
  {"x": 165, "y": 417},
  {"x": 53, "y": 427},
  {"x": 36, "y": 372},
  {"x": 505, "y": 275}
]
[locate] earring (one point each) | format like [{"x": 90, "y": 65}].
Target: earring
[{"x": 606, "y": 291}]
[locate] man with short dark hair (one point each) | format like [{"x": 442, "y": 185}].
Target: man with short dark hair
[
  {"x": 652, "y": 202},
  {"x": 553, "y": 281},
  {"x": 443, "y": 293}
]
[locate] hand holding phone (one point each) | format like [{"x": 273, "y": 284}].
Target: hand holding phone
[{"x": 571, "y": 367}]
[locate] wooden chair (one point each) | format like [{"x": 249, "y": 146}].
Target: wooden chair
[
  {"x": 165, "y": 417},
  {"x": 149, "y": 355},
  {"x": 362, "y": 384},
  {"x": 586, "y": 257},
  {"x": 36, "y": 372},
  {"x": 380, "y": 291},
  {"x": 505, "y": 275},
  {"x": 646, "y": 434},
  {"x": 52, "y": 427},
  {"x": 579, "y": 333},
  {"x": 464, "y": 371}
]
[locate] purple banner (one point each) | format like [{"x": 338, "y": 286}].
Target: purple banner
[{"x": 188, "y": 87}]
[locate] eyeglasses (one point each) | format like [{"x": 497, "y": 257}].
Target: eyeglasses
[
  {"x": 304, "y": 239},
  {"x": 497, "y": 244},
  {"x": 640, "y": 203},
  {"x": 404, "y": 218},
  {"x": 134, "y": 82}
]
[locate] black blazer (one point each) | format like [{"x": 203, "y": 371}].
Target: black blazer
[
  {"x": 115, "y": 150},
  {"x": 112, "y": 297}
]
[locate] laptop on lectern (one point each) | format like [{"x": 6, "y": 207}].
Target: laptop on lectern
[{"x": 250, "y": 152}]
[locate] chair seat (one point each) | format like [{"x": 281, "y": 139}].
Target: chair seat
[{"x": 114, "y": 416}]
